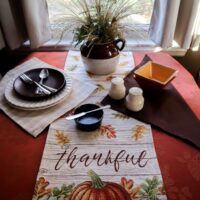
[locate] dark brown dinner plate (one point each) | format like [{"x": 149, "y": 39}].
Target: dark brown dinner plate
[{"x": 28, "y": 91}]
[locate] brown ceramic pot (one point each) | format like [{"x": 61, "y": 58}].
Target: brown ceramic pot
[{"x": 102, "y": 59}]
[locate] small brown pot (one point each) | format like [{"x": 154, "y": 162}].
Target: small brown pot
[{"x": 101, "y": 59}]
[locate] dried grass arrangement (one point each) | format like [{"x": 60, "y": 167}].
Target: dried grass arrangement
[{"x": 98, "y": 21}]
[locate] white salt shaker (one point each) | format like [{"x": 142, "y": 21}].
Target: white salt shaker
[
  {"x": 135, "y": 99},
  {"x": 117, "y": 89}
]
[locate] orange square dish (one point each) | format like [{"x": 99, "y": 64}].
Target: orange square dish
[{"x": 153, "y": 75}]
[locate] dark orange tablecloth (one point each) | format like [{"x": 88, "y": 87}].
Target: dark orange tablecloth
[{"x": 20, "y": 154}]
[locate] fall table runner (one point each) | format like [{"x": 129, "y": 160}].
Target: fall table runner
[
  {"x": 117, "y": 161},
  {"x": 120, "y": 152}
]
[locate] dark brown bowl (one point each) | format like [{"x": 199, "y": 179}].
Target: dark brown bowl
[{"x": 90, "y": 121}]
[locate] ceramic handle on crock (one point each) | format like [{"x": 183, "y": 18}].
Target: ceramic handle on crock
[{"x": 122, "y": 44}]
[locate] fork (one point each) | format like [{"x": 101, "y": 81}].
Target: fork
[{"x": 28, "y": 80}]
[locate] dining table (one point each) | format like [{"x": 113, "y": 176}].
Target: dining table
[{"x": 179, "y": 161}]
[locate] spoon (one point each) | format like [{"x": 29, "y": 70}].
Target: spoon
[
  {"x": 44, "y": 73},
  {"x": 84, "y": 113}
]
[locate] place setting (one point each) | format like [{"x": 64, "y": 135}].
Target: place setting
[
  {"x": 36, "y": 97},
  {"x": 38, "y": 88}
]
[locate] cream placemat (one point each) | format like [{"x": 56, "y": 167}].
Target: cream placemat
[
  {"x": 121, "y": 152},
  {"x": 34, "y": 122}
]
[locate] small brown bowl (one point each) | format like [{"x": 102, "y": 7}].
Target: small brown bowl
[
  {"x": 90, "y": 121},
  {"x": 154, "y": 76}
]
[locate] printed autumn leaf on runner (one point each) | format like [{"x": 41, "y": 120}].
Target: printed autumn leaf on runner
[
  {"x": 76, "y": 58},
  {"x": 124, "y": 54},
  {"x": 109, "y": 78},
  {"x": 107, "y": 130},
  {"x": 43, "y": 170},
  {"x": 69, "y": 113},
  {"x": 161, "y": 190},
  {"x": 40, "y": 188},
  {"x": 61, "y": 138},
  {"x": 90, "y": 74},
  {"x": 128, "y": 186},
  {"x": 72, "y": 67},
  {"x": 122, "y": 64},
  {"x": 40, "y": 193},
  {"x": 120, "y": 116},
  {"x": 99, "y": 88},
  {"x": 62, "y": 193},
  {"x": 138, "y": 132},
  {"x": 150, "y": 188}
]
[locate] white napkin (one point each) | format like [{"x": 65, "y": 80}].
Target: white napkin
[{"x": 34, "y": 122}]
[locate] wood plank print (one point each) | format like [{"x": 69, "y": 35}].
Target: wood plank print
[{"x": 115, "y": 162}]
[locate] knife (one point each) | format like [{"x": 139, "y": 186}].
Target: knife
[
  {"x": 28, "y": 80},
  {"x": 84, "y": 113}
]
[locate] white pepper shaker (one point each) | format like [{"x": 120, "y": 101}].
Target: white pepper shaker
[
  {"x": 117, "y": 89},
  {"x": 135, "y": 99}
]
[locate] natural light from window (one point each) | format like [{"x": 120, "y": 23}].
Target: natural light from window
[{"x": 139, "y": 21}]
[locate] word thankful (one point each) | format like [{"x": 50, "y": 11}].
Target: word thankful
[{"x": 72, "y": 160}]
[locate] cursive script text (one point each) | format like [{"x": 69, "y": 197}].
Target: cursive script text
[{"x": 72, "y": 159}]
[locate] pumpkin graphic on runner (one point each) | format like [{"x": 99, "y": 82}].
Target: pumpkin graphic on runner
[{"x": 97, "y": 189}]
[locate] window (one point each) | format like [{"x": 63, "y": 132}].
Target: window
[{"x": 138, "y": 22}]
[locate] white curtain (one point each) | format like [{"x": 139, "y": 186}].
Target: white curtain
[
  {"x": 196, "y": 36},
  {"x": 186, "y": 23},
  {"x": 173, "y": 20},
  {"x": 23, "y": 20},
  {"x": 163, "y": 22}
]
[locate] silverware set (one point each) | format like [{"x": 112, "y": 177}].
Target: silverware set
[{"x": 41, "y": 88}]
